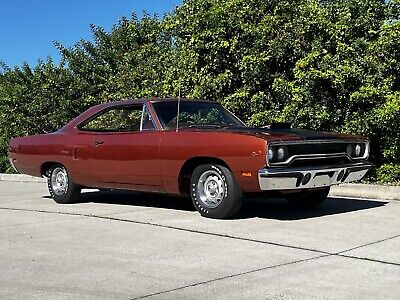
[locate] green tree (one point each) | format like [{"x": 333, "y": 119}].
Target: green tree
[{"x": 326, "y": 65}]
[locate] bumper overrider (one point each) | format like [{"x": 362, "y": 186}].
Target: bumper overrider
[{"x": 286, "y": 178}]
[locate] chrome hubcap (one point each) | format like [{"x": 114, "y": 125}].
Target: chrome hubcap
[
  {"x": 59, "y": 181},
  {"x": 211, "y": 188}
]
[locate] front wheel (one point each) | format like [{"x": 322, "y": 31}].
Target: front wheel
[
  {"x": 214, "y": 191},
  {"x": 61, "y": 187},
  {"x": 308, "y": 198}
]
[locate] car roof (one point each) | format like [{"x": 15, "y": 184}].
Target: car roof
[
  {"x": 176, "y": 99},
  {"x": 125, "y": 102},
  {"x": 144, "y": 100}
]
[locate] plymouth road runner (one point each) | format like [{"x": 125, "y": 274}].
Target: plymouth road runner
[{"x": 189, "y": 148}]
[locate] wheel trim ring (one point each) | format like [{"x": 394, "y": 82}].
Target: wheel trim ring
[
  {"x": 211, "y": 189},
  {"x": 59, "y": 181}
]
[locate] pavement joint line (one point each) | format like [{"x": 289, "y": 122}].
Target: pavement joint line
[
  {"x": 39, "y": 222},
  {"x": 369, "y": 244},
  {"x": 231, "y": 276},
  {"x": 105, "y": 217},
  {"x": 171, "y": 227},
  {"x": 368, "y": 259},
  {"x": 123, "y": 212},
  {"x": 323, "y": 253},
  {"x": 258, "y": 270}
]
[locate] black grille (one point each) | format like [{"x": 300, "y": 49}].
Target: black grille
[
  {"x": 320, "y": 153},
  {"x": 319, "y": 162},
  {"x": 316, "y": 148}
]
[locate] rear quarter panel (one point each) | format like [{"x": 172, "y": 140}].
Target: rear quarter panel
[
  {"x": 28, "y": 153},
  {"x": 31, "y": 152}
]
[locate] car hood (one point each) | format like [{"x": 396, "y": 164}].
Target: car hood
[{"x": 284, "y": 134}]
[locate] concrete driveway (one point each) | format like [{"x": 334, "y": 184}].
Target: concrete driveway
[{"x": 127, "y": 245}]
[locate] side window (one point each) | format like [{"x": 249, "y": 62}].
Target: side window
[
  {"x": 147, "y": 120},
  {"x": 117, "y": 119}
]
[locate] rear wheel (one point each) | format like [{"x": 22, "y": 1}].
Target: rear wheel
[
  {"x": 214, "y": 191},
  {"x": 308, "y": 198},
  {"x": 61, "y": 187}
]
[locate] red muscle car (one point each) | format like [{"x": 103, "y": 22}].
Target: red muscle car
[{"x": 188, "y": 147}]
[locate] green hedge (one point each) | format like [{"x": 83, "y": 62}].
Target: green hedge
[
  {"x": 325, "y": 65},
  {"x": 388, "y": 173}
]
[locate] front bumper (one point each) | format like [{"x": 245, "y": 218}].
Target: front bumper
[{"x": 312, "y": 177}]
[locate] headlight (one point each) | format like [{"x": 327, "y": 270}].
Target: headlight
[
  {"x": 356, "y": 150},
  {"x": 349, "y": 150},
  {"x": 282, "y": 153},
  {"x": 271, "y": 154},
  {"x": 277, "y": 154}
]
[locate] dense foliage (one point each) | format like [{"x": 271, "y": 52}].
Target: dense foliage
[{"x": 327, "y": 65}]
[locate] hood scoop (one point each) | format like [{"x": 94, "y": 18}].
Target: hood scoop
[{"x": 283, "y": 125}]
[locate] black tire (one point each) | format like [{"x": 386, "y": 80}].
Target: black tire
[
  {"x": 229, "y": 197},
  {"x": 68, "y": 192},
  {"x": 308, "y": 198}
]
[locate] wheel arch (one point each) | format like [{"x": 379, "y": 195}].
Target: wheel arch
[
  {"x": 189, "y": 166},
  {"x": 46, "y": 166}
]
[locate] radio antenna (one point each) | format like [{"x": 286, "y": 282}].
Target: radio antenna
[{"x": 179, "y": 105}]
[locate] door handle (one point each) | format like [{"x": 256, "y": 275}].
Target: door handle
[{"x": 96, "y": 143}]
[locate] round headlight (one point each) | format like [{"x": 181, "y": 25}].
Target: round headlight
[
  {"x": 271, "y": 154},
  {"x": 282, "y": 153},
  {"x": 350, "y": 150},
  {"x": 357, "y": 150}
]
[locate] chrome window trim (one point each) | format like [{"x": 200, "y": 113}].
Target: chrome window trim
[
  {"x": 320, "y": 155},
  {"x": 78, "y": 127},
  {"x": 236, "y": 117},
  {"x": 142, "y": 118},
  {"x": 164, "y": 128}
]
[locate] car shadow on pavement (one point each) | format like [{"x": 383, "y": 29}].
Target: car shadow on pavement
[
  {"x": 137, "y": 199},
  {"x": 279, "y": 209},
  {"x": 268, "y": 208}
]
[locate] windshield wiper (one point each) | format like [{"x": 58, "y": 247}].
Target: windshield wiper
[
  {"x": 209, "y": 126},
  {"x": 205, "y": 125},
  {"x": 228, "y": 125}
]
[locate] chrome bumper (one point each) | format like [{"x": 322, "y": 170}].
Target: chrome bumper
[
  {"x": 305, "y": 178},
  {"x": 12, "y": 164}
]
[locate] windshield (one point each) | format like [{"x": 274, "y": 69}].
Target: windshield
[{"x": 195, "y": 114}]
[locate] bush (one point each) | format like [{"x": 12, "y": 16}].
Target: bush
[{"x": 388, "y": 173}]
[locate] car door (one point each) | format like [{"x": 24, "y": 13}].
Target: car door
[{"x": 126, "y": 149}]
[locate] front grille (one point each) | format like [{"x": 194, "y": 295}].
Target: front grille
[
  {"x": 317, "y": 148},
  {"x": 316, "y": 153},
  {"x": 319, "y": 162}
]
